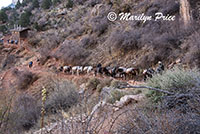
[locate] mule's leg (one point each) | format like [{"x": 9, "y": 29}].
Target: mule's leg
[{"x": 77, "y": 72}]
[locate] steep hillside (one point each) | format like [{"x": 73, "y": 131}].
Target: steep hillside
[{"x": 81, "y": 33}]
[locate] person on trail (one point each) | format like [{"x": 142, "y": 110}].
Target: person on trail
[
  {"x": 98, "y": 69},
  {"x": 1, "y": 41},
  {"x": 12, "y": 41},
  {"x": 160, "y": 67},
  {"x": 99, "y": 65},
  {"x": 30, "y": 64},
  {"x": 16, "y": 42}
]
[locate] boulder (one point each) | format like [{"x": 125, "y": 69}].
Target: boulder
[{"x": 127, "y": 99}]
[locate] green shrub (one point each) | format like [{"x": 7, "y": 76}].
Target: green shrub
[
  {"x": 69, "y": 4},
  {"x": 115, "y": 95},
  {"x": 18, "y": 5},
  {"x": 25, "y": 18},
  {"x": 46, "y": 4},
  {"x": 177, "y": 80},
  {"x": 55, "y": 2},
  {"x": 3, "y": 16},
  {"x": 103, "y": 83},
  {"x": 99, "y": 88},
  {"x": 36, "y": 4},
  {"x": 92, "y": 84},
  {"x": 3, "y": 28},
  {"x": 114, "y": 83}
]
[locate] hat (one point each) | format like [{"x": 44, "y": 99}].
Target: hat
[{"x": 159, "y": 62}]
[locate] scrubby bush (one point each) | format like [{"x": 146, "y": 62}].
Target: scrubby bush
[
  {"x": 92, "y": 84},
  {"x": 100, "y": 25},
  {"x": 103, "y": 83},
  {"x": 24, "y": 79},
  {"x": 184, "y": 84},
  {"x": 3, "y": 29},
  {"x": 18, "y": 5},
  {"x": 25, "y": 114},
  {"x": 97, "y": 84},
  {"x": 77, "y": 29},
  {"x": 92, "y": 2},
  {"x": 55, "y": 2},
  {"x": 192, "y": 55},
  {"x": 88, "y": 42},
  {"x": 3, "y": 16},
  {"x": 115, "y": 95},
  {"x": 70, "y": 52},
  {"x": 36, "y": 4},
  {"x": 46, "y": 4},
  {"x": 47, "y": 42},
  {"x": 176, "y": 80},
  {"x": 115, "y": 83},
  {"x": 80, "y": 2},
  {"x": 69, "y": 4},
  {"x": 8, "y": 61},
  {"x": 167, "y": 7},
  {"x": 167, "y": 122},
  {"x": 124, "y": 40},
  {"x": 34, "y": 41},
  {"x": 25, "y": 19},
  {"x": 63, "y": 97}
]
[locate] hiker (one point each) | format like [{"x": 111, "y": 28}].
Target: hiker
[
  {"x": 98, "y": 69},
  {"x": 1, "y": 41},
  {"x": 30, "y": 64},
  {"x": 16, "y": 42},
  {"x": 160, "y": 67},
  {"x": 12, "y": 41}
]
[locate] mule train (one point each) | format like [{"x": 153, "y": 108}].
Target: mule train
[{"x": 115, "y": 72}]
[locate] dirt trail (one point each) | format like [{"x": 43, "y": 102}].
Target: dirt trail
[{"x": 43, "y": 71}]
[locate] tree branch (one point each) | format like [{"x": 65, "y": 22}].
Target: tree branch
[{"x": 151, "y": 88}]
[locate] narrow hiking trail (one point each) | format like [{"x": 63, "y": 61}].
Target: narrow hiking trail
[{"x": 8, "y": 80}]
